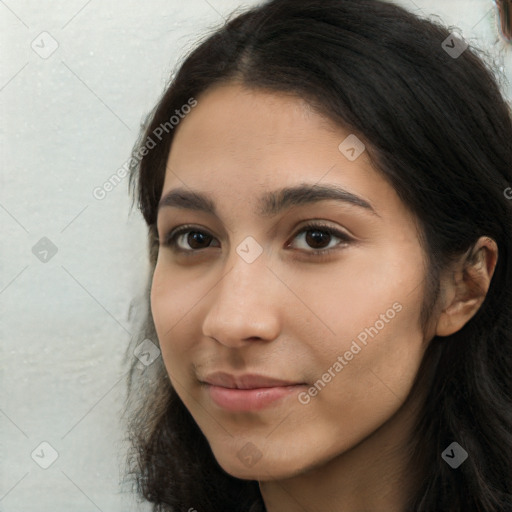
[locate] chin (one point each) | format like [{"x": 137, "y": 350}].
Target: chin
[{"x": 261, "y": 469}]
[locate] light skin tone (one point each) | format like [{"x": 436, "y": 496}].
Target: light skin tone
[{"x": 289, "y": 313}]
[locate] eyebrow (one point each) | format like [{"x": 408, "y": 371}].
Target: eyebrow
[{"x": 270, "y": 203}]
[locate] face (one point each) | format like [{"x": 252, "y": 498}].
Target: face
[{"x": 311, "y": 307}]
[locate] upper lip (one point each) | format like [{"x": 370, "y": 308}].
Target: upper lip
[{"x": 247, "y": 381}]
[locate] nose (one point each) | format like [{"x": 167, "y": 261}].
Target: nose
[{"x": 245, "y": 304}]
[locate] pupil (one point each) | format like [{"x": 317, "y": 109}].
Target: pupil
[
  {"x": 318, "y": 237},
  {"x": 192, "y": 238}
]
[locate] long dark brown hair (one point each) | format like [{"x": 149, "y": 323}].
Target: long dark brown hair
[{"x": 438, "y": 129}]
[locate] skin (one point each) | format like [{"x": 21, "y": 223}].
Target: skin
[{"x": 290, "y": 314}]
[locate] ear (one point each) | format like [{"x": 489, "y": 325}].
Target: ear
[{"x": 466, "y": 286}]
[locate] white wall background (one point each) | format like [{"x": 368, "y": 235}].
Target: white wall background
[{"x": 67, "y": 123}]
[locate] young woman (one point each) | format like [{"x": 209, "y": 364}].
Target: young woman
[{"x": 327, "y": 187}]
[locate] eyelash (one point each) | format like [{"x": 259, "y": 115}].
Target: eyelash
[{"x": 171, "y": 239}]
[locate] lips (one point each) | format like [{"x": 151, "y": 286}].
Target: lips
[
  {"x": 248, "y": 392},
  {"x": 247, "y": 381}
]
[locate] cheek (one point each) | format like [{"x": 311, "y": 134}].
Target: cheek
[
  {"x": 362, "y": 393},
  {"x": 364, "y": 299},
  {"x": 381, "y": 357},
  {"x": 374, "y": 323},
  {"x": 161, "y": 303},
  {"x": 169, "y": 308},
  {"x": 392, "y": 354}
]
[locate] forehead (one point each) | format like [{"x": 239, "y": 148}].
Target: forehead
[
  {"x": 231, "y": 112},
  {"x": 239, "y": 144}
]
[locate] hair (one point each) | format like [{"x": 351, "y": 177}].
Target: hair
[{"x": 439, "y": 131}]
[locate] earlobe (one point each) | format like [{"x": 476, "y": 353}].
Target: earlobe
[
  {"x": 467, "y": 286},
  {"x": 453, "y": 318}
]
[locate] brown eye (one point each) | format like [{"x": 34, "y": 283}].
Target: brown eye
[
  {"x": 317, "y": 237},
  {"x": 195, "y": 239}
]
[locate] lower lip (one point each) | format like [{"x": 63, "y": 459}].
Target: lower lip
[{"x": 250, "y": 399}]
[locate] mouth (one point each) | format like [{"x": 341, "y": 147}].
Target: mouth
[{"x": 248, "y": 392}]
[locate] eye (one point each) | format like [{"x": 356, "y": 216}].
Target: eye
[
  {"x": 195, "y": 237},
  {"x": 314, "y": 235}
]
